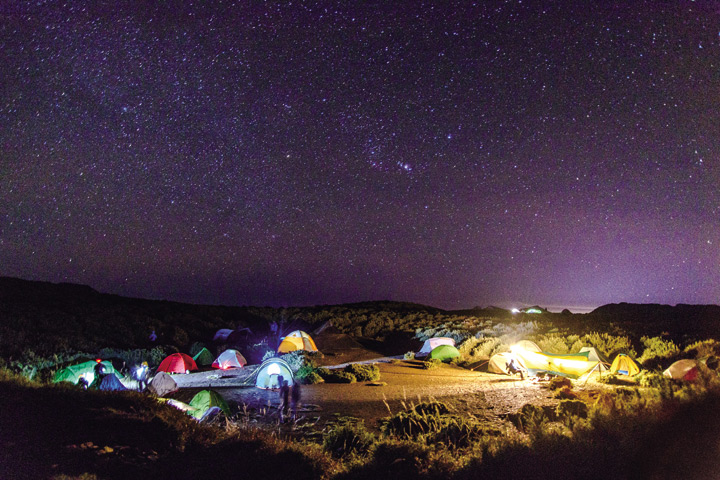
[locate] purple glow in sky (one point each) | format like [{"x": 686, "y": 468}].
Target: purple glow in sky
[{"x": 452, "y": 154}]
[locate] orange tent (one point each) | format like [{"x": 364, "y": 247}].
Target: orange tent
[{"x": 297, "y": 340}]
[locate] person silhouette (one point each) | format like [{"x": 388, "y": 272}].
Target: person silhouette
[
  {"x": 295, "y": 399},
  {"x": 284, "y": 398}
]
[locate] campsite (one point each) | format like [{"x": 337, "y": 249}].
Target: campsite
[{"x": 120, "y": 387}]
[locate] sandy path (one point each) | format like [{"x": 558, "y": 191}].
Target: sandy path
[{"x": 486, "y": 396}]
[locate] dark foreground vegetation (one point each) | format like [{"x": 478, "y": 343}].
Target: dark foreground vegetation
[{"x": 649, "y": 427}]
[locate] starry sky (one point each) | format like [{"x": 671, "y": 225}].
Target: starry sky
[{"x": 454, "y": 154}]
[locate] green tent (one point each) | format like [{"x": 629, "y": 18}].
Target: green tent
[
  {"x": 444, "y": 352},
  {"x": 204, "y": 357},
  {"x": 85, "y": 370},
  {"x": 205, "y": 399}
]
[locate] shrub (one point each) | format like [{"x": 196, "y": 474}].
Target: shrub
[
  {"x": 553, "y": 343},
  {"x": 531, "y": 419},
  {"x": 569, "y": 411},
  {"x": 658, "y": 352},
  {"x": 610, "y": 345},
  {"x": 364, "y": 372},
  {"x": 566, "y": 392},
  {"x": 431, "y": 408},
  {"x": 300, "y": 358},
  {"x": 432, "y": 363},
  {"x": 337, "y": 376},
  {"x": 348, "y": 439},
  {"x": 409, "y": 356},
  {"x": 704, "y": 348},
  {"x": 559, "y": 382}
]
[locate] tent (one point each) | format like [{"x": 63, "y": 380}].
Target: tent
[
  {"x": 270, "y": 370},
  {"x": 569, "y": 365},
  {"x": 297, "y": 340},
  {"x": 177, "y": 363},
  {"x": 526, "y": 345},
  {"x": 203, "y": 357},
  {"x": 595, "y": 356},
  {"x": 498, "y": 363},
  {"x": 205, "y": 399},
  {"x": 85, "y": 370},
  {"x": 195, "y": 348},
  {"x": 683, "y": 370},
  {"x": 444, "y": 353},
  {"x": 624, "y": 365},
  {"x": 111, "y": 383},
  {"x": 229, "y": 359},
  {"x": 162, "y": 384},
  {"x": 431, "y": 343},
  {"x": 222, "y": 335}
]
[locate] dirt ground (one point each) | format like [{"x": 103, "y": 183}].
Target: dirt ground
[{"x": 488, "y": 397}]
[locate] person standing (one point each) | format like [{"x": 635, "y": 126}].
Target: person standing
[
  {"x": 284, "y": 398},
  {"x": 295, "y": 398}
]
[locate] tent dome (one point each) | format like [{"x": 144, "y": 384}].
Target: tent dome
[
  {"x": 685, "y": 369},
  {"x": 297, "y": 340},
  {"x": 177, "y": 363},
  {"x": 444, "y": 352},
  {"x": 269, "y": 372},
  {"x": 431, "y": 343},
  {"x": 229, "y": 359}
]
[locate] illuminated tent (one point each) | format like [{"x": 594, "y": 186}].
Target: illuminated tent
[
  {"x": 177, "y": 363},
  {"x": 162, "y": 384},
  {"x": 527, "y": 346},
  {"x": 682, "y": 370},
  {"x": 297, "y": 340},
  {"x": 624, "y": 365},
  {"x": 570, "y": 365},
  {"x": 205, "y": 399},
  {"x": 85, "y": 370},
  {"x": 499, "y": 362},
  {"x": 444, "y": 353},
  {"x": 270, "y": 370},
  {"x": 594, "y": 355},
  {"x": 229, "y": 359},
  {"x": 431, "y": 343},
  {"x": 203, "y": 357}
]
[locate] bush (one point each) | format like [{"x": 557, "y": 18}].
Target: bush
[
  {"x": 348, "y": 439},
  {"x": 559, "y": 382},
  {"x": 531, "y": 419},
  {"x": 566, "y": 392},
  {"x": 569, "y": 411},
  {"x": 300, "y": 358},
  {"x": 364, "y": 372},
  {"x": 409, "y": 356},
  {"x": 610, "y": 345},
  {"x": 308, "y": 375},
  {"x": 432, "y": 363},
  {"x": 337, "y": 376},
  {"x": 658, "y": 352}
]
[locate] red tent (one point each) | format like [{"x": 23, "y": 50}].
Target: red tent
[{"x": 177, "y": 363}]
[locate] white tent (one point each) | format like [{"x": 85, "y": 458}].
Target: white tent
[
  {"x": 431, "y": 343},
  {"x": 685, "y": 369},
  {"x": 595, "y": 356},
  {"x": 499, "y": 362}
]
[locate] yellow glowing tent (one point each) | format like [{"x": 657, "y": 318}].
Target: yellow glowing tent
[
  {"x": 569, "y": 365},
  {"x": 624, "y": 365},
  {"x": 297, "y": 340}
]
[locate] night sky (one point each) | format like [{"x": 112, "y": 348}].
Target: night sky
[{"x": 454, "y": 154}]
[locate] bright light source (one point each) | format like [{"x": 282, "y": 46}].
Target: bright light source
[
  {"x": 515, "y": 310},
  {"x": 273, "y": 369}
]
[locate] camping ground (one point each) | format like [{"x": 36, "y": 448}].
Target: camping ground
[{"x": 419, "y": 419}]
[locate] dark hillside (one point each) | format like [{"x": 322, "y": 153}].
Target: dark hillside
[
  {"x": 48, "y": 318},
  {"x": 655, "y": 319}
]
